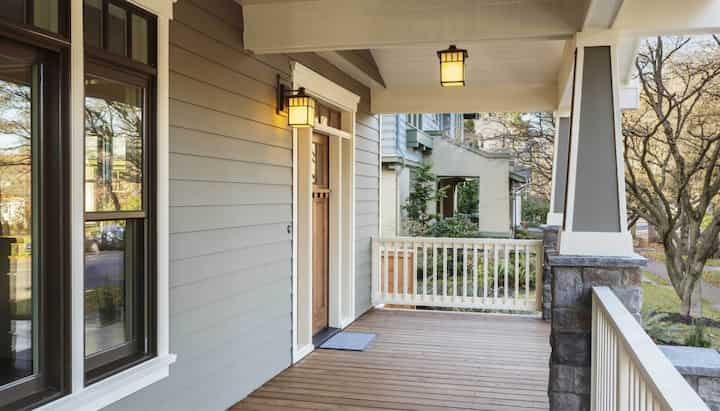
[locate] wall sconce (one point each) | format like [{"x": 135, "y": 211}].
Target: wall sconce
[
  {"x": 452, "y": 66},
  {"x": 300, "y": 106}
]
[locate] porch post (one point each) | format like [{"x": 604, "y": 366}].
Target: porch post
[
  {"x": 595, "y": 216},
  {"x": 559, "y": 168},
  {"x": 595, "y": 247}
]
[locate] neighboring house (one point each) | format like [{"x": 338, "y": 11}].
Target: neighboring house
[{"x": 410, "y": 139}]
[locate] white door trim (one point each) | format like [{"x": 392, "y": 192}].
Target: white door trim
[{"x": 342, "y": 211}]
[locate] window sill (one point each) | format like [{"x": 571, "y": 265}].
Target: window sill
[{"x": 112, "y": 389}]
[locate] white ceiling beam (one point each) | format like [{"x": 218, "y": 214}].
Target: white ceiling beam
[
  {"x": 330, "y": 25},
  {"x": 471, "y": 99},
  {"x": 668, "y": 17},
  {"x": 601, "y": 14}
]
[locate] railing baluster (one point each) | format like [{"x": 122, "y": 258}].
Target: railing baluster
[
  {"x": 425, "y": 257},
  {"x": 435, "y": 271},
  {"x": 495, "y": 273},
  {"x": 386, "y": 269},
  {"x": 527, "y": 276},
  {"x": 506, "y": 272},
  {"x": 405, "y": 269},
  {"x": 464, "y": 264},
  {"x": 396, "y": 268},
  {"x": 454, "y": 270},
  {"x": 485, "y": 272},
  {"x": 475, "y": 272},
  {"x": 413, "y": 275},
  {"x": 517, "y": 274},
  {"x": 444, "y": 257}
]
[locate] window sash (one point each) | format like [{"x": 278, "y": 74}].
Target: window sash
[
  {"x": 50, "y": 242},
  {"x": 103, "y": 364}
]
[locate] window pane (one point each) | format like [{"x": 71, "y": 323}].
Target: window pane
[
  {"x": 14, "y": 10},
  {"x": 17, "y": 314},
  {"x": 113, "y": 146},
  {"x": 93, "y": 23},
  {"x": 45, "y": 14},
  {"x": 117, "y": 30},
  {"x": 110, "y": 272},
  {"x": 139, "y": 39}
]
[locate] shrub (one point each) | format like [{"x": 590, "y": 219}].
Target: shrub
[{"x": 697, "y": 337}]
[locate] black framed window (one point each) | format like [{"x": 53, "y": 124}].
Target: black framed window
[
  {"x": 47, "y": 15},
  {"x": 119, "y": 226},
  {"x": 34, "y": 285},
  {"x": 120, "y": 29}
]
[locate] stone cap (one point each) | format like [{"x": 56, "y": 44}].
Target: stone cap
[
  {"x": 695, "y": 361},
  {"x": 557, "y": 260}
]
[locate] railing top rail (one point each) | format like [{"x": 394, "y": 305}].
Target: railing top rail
[
  {"x": 451, "y": 240},
  {"x": 671, "y": 388}
]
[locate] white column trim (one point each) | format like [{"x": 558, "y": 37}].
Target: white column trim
[
  {"x": 77, "y": 201},
  {"x": 553, "y": 218},
  {"x": 342, "y": 217},
  {"x": 595, "y": 243}
]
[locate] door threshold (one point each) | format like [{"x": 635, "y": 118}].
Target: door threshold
[{"x": 324, "y": 335}]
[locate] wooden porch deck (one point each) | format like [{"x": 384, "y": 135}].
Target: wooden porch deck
[{"x": 421, "y": 361}]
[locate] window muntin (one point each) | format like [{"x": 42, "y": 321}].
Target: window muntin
[
  {"x": 113, "y": 145},
  {"x": 120, "y": 29},
  {"x": 327, "y": 116},
  {"x": 93, "y": 23},
  {"x": 43, "y": 14}
]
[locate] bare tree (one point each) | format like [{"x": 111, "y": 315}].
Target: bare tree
[{"x": 672, "y": 148}]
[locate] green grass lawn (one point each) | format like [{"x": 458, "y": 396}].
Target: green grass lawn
[{"x": 658, "y": 298}]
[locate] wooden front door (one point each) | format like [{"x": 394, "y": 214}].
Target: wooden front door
[{"x": 320, "y": 230}]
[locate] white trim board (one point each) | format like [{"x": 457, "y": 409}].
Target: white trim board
[
  {"x": 342, "y": 212},
  {"x": 111, "y": 389}
]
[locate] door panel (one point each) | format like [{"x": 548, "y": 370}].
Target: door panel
[{"x": 320, "y": 232}]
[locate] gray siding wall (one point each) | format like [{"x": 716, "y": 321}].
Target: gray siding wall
[{"x": 231, "y": 203}]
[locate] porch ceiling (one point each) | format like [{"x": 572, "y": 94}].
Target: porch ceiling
[
  {"x": 520, "y": 50},
  {"x": 501, "y": 75}
]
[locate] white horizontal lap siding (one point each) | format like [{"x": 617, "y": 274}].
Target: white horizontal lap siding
[{"x": 230, "y": 206}]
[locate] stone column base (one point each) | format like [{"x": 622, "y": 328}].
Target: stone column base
[{"x": 573, "y": 278}]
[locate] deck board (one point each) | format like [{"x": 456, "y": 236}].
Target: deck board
[{"x": 421, "y": 361}]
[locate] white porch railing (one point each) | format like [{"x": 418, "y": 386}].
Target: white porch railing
[
  {"x": 458, "y": 272},
  {"x": 629, "y": 372}
]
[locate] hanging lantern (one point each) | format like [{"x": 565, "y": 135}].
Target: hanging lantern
[
  {"x": 452, "y": 66},
  {"x": 301, "y": 110}
]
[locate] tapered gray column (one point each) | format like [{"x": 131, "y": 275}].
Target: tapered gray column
[
  {"x": 559, "y": 170},
  {"x": 594, "y": 218},
  {"x": 595, "y": 247}
]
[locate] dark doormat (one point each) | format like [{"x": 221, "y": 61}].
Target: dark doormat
[{"x": 349, "y": 341}]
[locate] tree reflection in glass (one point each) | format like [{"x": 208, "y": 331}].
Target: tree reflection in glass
[
  {"x": 113, "y": 146},
  {"x": 16, "y": 222}
]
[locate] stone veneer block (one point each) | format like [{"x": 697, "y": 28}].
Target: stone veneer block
[
  {"x": 701, "y": 369},
  {"x": 572, "y": 280}
]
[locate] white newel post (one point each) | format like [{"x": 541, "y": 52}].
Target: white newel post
[{"x": 595, "y": 215}]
